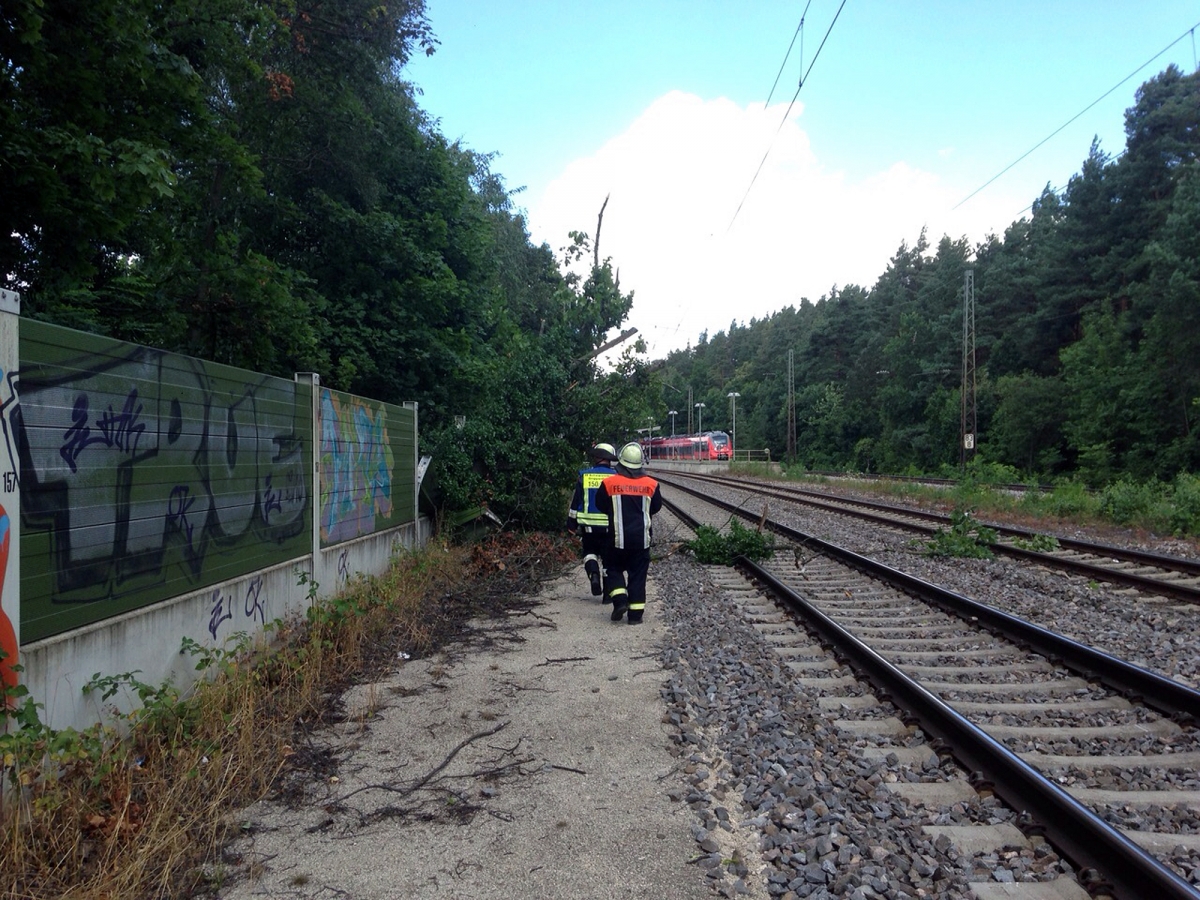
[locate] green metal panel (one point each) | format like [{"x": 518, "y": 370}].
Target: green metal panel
[
  {"x": 368, "y": 466},
  {"x": 146, "y": 474}
]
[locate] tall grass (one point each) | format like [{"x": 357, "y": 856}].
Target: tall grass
[
  {"x": 1168, "y": 508},
  {"x": 137, "y": 807}
]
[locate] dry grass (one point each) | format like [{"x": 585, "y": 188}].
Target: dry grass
[{"x": 141, "y": 807}]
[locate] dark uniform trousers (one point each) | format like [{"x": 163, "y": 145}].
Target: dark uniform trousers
[
  {"x": 634, "y": 563},
  {"x": 596, "y": 546}
]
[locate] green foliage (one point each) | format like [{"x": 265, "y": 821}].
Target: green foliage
[
  {"x": 152, "y": 794},
  {"x": 1127, "y": 502},
  {"x": 1068, "y": 499},
  {"x": 254, "y": 184},
  {"x": 1039, "y": 543},
  {"x": 964, "y": 538},
  {"x": 1087, "y": 330},
  {"x": 1185, "y": 505},
  {"x": 159, "y": 708},
  {"x": 712, "y": 547},
  {"x": 223, "y": 658}
]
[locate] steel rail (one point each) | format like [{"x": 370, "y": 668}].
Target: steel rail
[
  {"x": 1077, "y": 832},
  {"x": 1144, "y": 583},
  {"x": 1158, "y": 691},
  {"x": 1125, "y": 554}
]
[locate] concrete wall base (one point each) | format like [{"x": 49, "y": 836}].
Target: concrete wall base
[{"x": 148, "y": 641}]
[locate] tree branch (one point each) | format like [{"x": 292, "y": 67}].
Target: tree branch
[{"x": 596, "y": 243}]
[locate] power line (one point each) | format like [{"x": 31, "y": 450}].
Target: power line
[
  {"x": 1058, "y": 191},
  {"x": 786, "y": 113},
  {"x": 789, "y": 53},
  {"x": 1076, "y": 116}
]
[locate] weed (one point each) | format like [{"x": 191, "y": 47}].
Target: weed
[
  {"x": 137, "y": 805},
  {"x": 1127, "y": 502},
  {"x": 711, "y": 547},
  {"x": 965, "y": 537},
  {"x": 1185, "y": 505},
  {"x": 1037, "y": 543},
  {"x": 1069, "y": 499}
]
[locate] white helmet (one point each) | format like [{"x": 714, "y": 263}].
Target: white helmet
[{"x": 630, "y": 457}]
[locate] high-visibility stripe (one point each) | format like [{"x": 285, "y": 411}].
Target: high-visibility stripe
[
  {"x": 618, "y": 522},
  {"x": 619, "y": 525},
  {"x": 634, "y": 606}
]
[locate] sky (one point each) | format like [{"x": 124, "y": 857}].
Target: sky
[{"x": 724, "y": 206}]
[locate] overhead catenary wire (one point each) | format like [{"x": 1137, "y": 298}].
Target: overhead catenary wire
[
  {"x": 1076, "y": 116},
  {"x": 1057, "y": 191},
  {"x": 799, "y": 28},
  {"x": 674, "y": 332},
  {"x": 787, "y": 112}
]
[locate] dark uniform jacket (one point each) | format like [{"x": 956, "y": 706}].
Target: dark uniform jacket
[
  {"x": 629, "y": 503},
  {"x": 583, "y": 514}
]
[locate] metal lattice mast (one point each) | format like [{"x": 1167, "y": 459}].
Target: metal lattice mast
[
  {"x": 791, "y": 407},
  {"x": 967, "y": 419}
]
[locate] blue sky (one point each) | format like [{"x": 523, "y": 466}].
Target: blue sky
[{"x": 908, "y": 109}]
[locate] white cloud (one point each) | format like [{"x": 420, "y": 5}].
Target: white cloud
[{"x": 676, "y": 177}]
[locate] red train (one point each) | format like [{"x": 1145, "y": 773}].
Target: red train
[{"x": 710, "y": 445}]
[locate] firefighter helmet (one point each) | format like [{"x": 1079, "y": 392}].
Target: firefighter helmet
[
  {"x": 630, "y": 457},
  {"x": 604, "y": 452}
]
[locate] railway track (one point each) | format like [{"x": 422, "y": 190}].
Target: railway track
[
  {"x": 1029, "y": 715},
  {"x": 1156, "y": 574},
  {"x": 1014, "y": 487}
]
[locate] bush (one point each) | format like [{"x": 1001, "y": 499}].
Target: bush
[
  {"x": 965, "y": 538},
  {"x": 1038, "y": 543},
  {"x": 711, "y": 547},
  {"x": 1126, "y": 502},
  {"x": 1184, "y": 517},
  {"x": 1069, "y": 498},
  {"x": 140, "y": 806},
  {"x": 984, "y": 472}
]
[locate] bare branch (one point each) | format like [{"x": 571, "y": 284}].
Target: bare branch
[{"x": 596, "y": 243}]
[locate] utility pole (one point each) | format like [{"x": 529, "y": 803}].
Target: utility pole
[
  {"x": 733, "y": 395},
  {"x": 791, "y": 407},
  {"x": 689, "y": 431},
  {"x": 967, "y": 419},
  {"x": 650, "y": 436}
]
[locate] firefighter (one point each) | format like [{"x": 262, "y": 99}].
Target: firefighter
[
  {"x": 588, "y": 522},
  {"x": 629, "y": 499}
]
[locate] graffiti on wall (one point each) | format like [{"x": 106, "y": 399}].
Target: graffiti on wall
[
  {"x": 357, "y": 463},
  {"x": 140, "y": 466},
  {"x": 8, "y": 635},
  {"x": 223, "y": 607}
]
